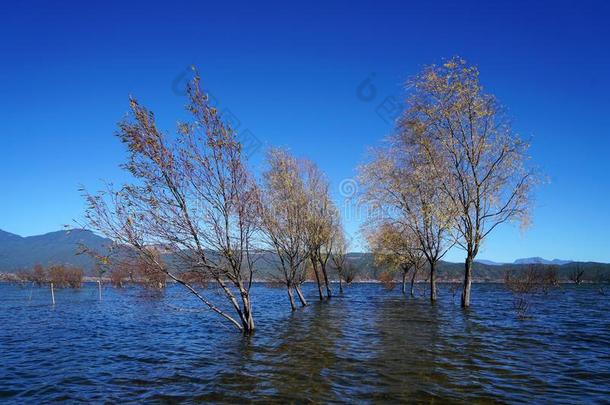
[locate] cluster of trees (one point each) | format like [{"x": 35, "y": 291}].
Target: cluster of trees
[
  {"x": 452, "y": 172},
  {"x": 534, "y": 278},
  {"x": 135, "y": 270},
  {"x": 392, "y": 250},
  {"x": 301, "y": 224},
  {"x": 194, "y": 199},
  {"x": 449, "y": 175},
  {"x": 60, "y": 275}
]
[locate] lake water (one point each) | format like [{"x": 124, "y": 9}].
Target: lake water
[{"x": 367, "y": 345}]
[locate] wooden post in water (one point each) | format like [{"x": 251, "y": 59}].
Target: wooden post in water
[
  {"x": 52, "y": 294},
  {"x": 99, "y": 285}
]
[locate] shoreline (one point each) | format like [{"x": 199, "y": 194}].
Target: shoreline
[{"x": 12, "y": 278}]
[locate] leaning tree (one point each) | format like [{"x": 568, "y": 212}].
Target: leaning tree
[{"x": 191, "y": 198}]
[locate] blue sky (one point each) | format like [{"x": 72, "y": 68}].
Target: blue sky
[{"x": 290, "y": 74}]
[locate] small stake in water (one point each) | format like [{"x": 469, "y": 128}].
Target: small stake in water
[
  {"x": 99, "y": 285},
  {"x": 52, "y": 294}
]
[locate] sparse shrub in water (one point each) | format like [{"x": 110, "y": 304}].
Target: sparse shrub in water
[
  {"x": 454, "y": 288},
  {"x": 349, "y": 273},
  {"x": 119, "y": 275},
  {"x": 66, "y": 276},
  {"x": 150, "y": 277},
  {"x": 386, "y": 280},
  {"x": 37, "y": 275},
  {"x": 577, "y": 274},
  {"x": 535, "y": 279},
  {"x": 153, "y": 279},
  {"x": 195, "y": 278},
  {"x": 521, "y": 306},
  {"x": 135, "y": 269},
  {"x": 603, "y": 281},
  {"x": 550, "y": 278},
  {"x": 60, "y": 275}
]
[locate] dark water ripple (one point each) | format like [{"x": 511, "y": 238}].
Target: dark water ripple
[{"x": 369, "y": 345}]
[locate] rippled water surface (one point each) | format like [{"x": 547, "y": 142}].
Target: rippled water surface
[{"x": 367, "y": 345}]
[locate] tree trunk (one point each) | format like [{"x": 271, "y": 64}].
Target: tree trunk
[
  {"x": 326, "y": 282},
  {"x": 432, "y": 283},
  {"x": 315, "y": 271},
  {"x": 413, "y": 282},
  {"x": 467, "y": 282},
  {"x": 292, "y": 306},
  {"x": 232, "y": 298},
  {"x": 247, "y": 319},
  {"x": 205, "y": 301},
  {"x": 300, "y": 295},
  {"x": 340, "y": 285},
  {"x": 404, "y": 281}
]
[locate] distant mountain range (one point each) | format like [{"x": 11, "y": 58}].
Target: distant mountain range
[
  {"x": 527, "y": 260},
  {"x": 488, "y": 262},
  {"x": 61, "y": 247},
  {"x": 540, "y": 260}
]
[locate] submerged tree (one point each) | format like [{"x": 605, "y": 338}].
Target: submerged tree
[
  {"x": 602, "y": 279},
  {"x": 119, "y": 276},
  {"x": 322, "y": 220},
  {"x": 469, "y": 146},
  {"x": 37, "y": 275},
  {"x": 190, "y": 196},
  {"x": 65, "y": 276},
  {"x": 61, "y": 276},
  {"x": 396, "y": 248},
  {"x": 346, "y": 271},
  {"x": 284, "y": 224},
  {"x": 576, "y": 274},
  {"x": 131, "y": 267},
  {"x": 526, "y": 283},
  {"x": 401, "y": 188}
]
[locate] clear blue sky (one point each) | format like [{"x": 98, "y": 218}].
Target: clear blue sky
[{"x": 290, "y": 73}]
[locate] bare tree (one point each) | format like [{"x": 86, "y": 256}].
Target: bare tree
[
  {"x": 402, "y": 188},
  {"x": 349, "y": 272},
  {"x": 285, "y": 210},
  {"x": 470, "y": 146},
  {"x": 526, "y": 283},
  {"x": 576, "y": 275},
  {"x": 191, "y": 195},
  {"x": 602, "y": 279},
  {"x": 551, "y": 278}
]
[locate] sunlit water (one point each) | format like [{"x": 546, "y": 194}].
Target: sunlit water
[{"x": 367, "y": 345}]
